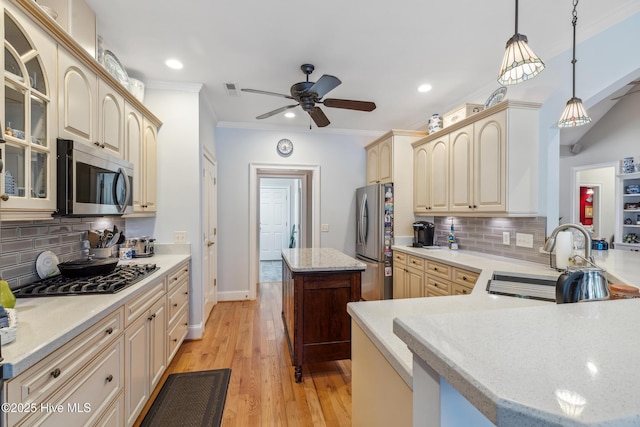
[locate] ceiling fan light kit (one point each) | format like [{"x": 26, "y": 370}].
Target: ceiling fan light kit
[
  {"x": 519, "y": 63},
  {"x": 574, "y": 113},
  {"x": 308, "y": 94}
]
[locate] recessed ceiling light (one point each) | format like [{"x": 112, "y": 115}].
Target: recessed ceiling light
[
  {"x": 289, "y": 115},
  {"x": 174, "y": 63},
  {"x": 424, "y": 88}
]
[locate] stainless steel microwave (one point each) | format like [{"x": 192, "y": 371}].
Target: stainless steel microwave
[{"x": 91, "y": 182}]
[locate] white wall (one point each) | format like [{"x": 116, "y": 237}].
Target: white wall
[
  {"x": 342, "y": 169},
  {"x": 179, "y": 193},
  {"x": 615, "y": 136}
]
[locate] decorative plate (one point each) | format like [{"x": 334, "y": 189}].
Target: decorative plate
[
  {"x": 497, "y": 96},
  {"x": 115, "y": 68},
  {"x": 47, "y": 264}
]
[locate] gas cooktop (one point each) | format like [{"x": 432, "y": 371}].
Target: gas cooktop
[{"x": 122, "y": 277}]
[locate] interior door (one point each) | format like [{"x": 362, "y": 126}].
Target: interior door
[
  {"x": 274, "y": 222},
  {"x": 210, "y": 249}
]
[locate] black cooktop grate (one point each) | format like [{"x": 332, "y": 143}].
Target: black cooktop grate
[{"x": 122, "y": 277}]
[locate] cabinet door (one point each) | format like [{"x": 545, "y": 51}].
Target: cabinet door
[
  {"x": 77, "y": 99},
  {"x": 385, "y": 161},
  {"x": 133, "y": 152},
  {"x": 399, "y": 281},
  {"x": 415, "y": 283},
  {"x": 420, "y": 179},
  {"x": 372, "y": 164},
  {"x": 439, "y": 175},
  {"x": 136, "y": 367},
  {"x": 158, "y": 344},
  {"x": 150, "y": 170},
  {"x": 111, "y": 120},
  {"x": 461, "y": 173},
  {"x": 490, "y": 163}
]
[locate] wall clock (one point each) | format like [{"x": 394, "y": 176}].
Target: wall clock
[{"x": 285, "y": 147}]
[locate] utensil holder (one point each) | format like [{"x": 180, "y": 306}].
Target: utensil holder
[{"x": 101, "y": 252}]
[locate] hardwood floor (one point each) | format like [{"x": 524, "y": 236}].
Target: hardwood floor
[{"x": 248, "y": 337}]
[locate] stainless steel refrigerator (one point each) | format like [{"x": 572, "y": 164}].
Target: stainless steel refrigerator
[{"x": 374, "y": 237}]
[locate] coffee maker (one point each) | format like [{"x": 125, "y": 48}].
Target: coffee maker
[{"x": 423, "y": 232}]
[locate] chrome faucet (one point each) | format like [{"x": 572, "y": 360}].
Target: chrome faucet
[{"x": 551, "y": 241}]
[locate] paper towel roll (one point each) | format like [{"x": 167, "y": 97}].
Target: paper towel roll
[{"x": 564, "y": 248}]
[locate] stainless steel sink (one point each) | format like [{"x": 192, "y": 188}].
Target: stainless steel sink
[{"x": 523, "y": 285}]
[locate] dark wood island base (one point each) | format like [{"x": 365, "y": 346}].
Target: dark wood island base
[{"x": 314, "y": 313}]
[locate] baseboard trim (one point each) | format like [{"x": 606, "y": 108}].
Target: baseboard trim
[{"x": 234, "y": 295}]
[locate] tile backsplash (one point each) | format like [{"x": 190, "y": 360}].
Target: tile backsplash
[
  {"x": 485, "y": 235},
  {"x": 22, "y": 241}
]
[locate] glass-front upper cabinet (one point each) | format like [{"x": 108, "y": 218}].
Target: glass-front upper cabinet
[{"x": 28, "y": 152}]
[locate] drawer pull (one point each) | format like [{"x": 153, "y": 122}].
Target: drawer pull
[
  {"x": 175, "y": 305},
  {"x": 153, "y": 315},
  {"x": 464, "y": 291},
  {"x": 150, "y": 318},
  {"x": 109, "y": 331},
  {"x": 435, "y": 284},
  {"x": 56, "y": 373},
  {"x": 186, "y": 270},
  {"x": 186, "y": 324},
  {"x": 175, "y": 279},
  {"x": 175, "y": 340},
  {"x": 110, "y": 378},
  {"x": 186, "y": 293},
  {"x": 435, "y": 268},
  {"x": 464, "y": 278}
]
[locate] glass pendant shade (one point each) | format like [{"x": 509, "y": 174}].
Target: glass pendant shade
[
  {"x": 519, "y": 63},
  {"x": 574, "y": 114}
]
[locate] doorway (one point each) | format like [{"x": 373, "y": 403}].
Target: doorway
[
  {"x": 593, "y": 199},
  {"x": 307, "y": 234},
  {"x": 280, "y": 223}
]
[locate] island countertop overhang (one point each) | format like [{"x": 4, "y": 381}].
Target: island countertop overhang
[{"x": 301, "y": 260}]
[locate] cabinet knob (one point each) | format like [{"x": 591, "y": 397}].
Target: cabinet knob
[
  {"x": 56, "y": 373},
  {"x": 109, "y": 331},
  {"x": 175, "y": 340},
  {"x": 4, "y": 197},
  {"x": 464, "y": 278},
  {"x": 186, "y": 293},
  {"x": 175, "y": 305},
  {"x": 469, "y": 206},
  {"x": 435, "y": 268},
  {"x": 464, "y": 291},
  {"x": 97, "y": 144},
  {"x": 154, "y": 315},
  {"x": 435, "y": 284},
  {"x": 474, "y": 206},
  {"x": 150, "y": 318},
  {"x": 110, "y": 378}
]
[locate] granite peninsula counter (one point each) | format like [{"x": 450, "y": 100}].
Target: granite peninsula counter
[
  {"x": 518, "y": 361},
  {"x": 317, "y": 284}
]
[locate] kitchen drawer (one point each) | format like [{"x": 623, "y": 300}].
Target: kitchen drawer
[
  {"x": 435, "y": 285},
  {"x": 38, "y": 383},
  {"x": 114, "y": 415},
  {"x": 415, "y": 262},
  {"x": 138, "y": 306},
  {"x": 399, "y": 257},
  {"x": 438, "y": 269},
  {"x": 181, "y": 275},
  {"x": 465, "y": 277},
  {"x": 177, "y": 333},
  {"x": 178, "y": 298},
  {"x": 88, "y": 396},
  {"x": 458, "y": 289}
]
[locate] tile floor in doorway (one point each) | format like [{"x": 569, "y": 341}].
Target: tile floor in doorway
[{"x": 271, "y": 271}]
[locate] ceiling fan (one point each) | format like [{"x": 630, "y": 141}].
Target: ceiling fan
[
  {"x": 635, "y": 82},
  {"x": 307, "y": 94}
]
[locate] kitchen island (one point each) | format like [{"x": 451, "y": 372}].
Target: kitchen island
[
  {"x": 509, "y": 361},
  {"x": 317, "y": 284}
]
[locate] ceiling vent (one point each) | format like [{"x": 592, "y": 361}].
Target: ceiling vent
[{"x": 232, "y": 89}]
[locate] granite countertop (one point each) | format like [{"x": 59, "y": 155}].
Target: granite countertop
[
  {"x": 47, "y": 323},
  {"x": 320, "y": 259},
  {"x": 488, "y": 346}
]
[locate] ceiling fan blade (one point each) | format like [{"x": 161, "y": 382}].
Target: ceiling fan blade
[
  {"x": 324, "y": 84},
  {"x": 318, "y": 117},
  {"x": 278, "y": 111},
  {"x": 264, "y": 92},
  {"x": 349, "y": 105},
  {"x": 622, "y": 96}
]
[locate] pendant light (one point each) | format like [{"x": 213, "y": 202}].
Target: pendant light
[
  {"x": 574, "y": 113},
  {"x": 520, "y": 63}
]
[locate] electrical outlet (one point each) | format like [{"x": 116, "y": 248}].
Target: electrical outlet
[
  {"x": 506, "y": 238},
  {"x": 524, "y": 240},
  {"x": 324, "y": 227},
  {"x": 179, "y": 237}
]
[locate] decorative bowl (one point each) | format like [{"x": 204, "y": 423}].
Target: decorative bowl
[{"x": 633, "y": 189}]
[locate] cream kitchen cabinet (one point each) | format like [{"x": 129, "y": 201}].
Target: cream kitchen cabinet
[
  {"x": 492, "y": 164},
  {"x": 141, "y": 140},
  {"x": 408, "y": 276},
  {"x": 388, "y": 160},
  {"x": 77, "y": 99},
  {"x": 111, "y": 118},
  {"x": 178, "y": 309},
  {"x": 27, "y": 188},
  {"x": 145, "y": 341},
  {"x": 431, "y": 176}
]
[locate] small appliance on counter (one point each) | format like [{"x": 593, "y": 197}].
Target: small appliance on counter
[
  {"x": 423, "y": 233},
  {"x": 141, "y": 247}
]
